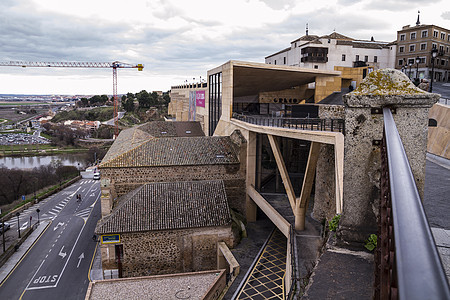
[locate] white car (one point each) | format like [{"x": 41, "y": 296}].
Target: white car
[{"x": 96, "y": 176}]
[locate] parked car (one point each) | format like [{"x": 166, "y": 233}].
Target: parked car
[
  {"x": 7, "y": 226},
  {"x": 96, "y": 176}
]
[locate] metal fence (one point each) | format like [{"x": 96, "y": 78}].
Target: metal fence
[
  {"x": 444, "y": 101},
  {"x": 408, "y": 263},
  {"x": 337, "y": 125}
]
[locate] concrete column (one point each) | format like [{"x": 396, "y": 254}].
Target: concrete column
[
  {"x": 250, "y": 206},
  {"x": 362, "y": 161}
]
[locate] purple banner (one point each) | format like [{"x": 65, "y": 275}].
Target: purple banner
[{"x": 200, "y": 98}]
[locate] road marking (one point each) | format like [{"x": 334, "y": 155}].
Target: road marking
[
  {"x": 79, "y": 259},
  {"x": 57, "y": 226},
  {"x": 50, "y": 212},
  {"x": 62, "y": 254},
  {"x": 73, "y": 248}
]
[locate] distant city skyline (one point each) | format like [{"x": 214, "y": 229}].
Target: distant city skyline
[{"x": 177, "y": 41}]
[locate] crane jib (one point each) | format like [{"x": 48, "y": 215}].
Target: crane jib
[{"x": 116, "y": 64}]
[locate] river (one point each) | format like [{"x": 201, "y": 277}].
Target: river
[{"x": 30, "y": 162}]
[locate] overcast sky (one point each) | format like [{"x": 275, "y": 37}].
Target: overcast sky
[{"x": 176, "y": 40}]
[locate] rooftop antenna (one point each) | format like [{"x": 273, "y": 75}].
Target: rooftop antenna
[
  {"x": 306, "y": 29},
  {"x": 418, "y": 20}
]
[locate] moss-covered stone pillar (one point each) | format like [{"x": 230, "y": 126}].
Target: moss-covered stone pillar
[{"x": 362, "y": 159}]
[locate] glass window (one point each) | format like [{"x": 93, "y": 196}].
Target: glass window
[
  {"x": 402, "y": 37},
  {"x": 443, "y": 36},
  {"x": 435, "y": 33},
  {"x": 215, "y": 101},
  {"x": 423, "y": 46},
  {"x": 413, "y": 36},
  {"x": 357, "y": 58},
  {"x": 375, "y": 58},
  {"x": 366, "y": 58},
  {"x": 411, "y": 61},
  {"x": 343, "y": 57},
  {"x": 284, "y": 60},
  {"x": 400, "y": 62},
  {"x": 401, "y": 49},
  {"x": 412, "y": 48},
  {"x": 424, "y": 33}
]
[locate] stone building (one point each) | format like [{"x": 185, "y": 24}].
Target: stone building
[
  {"x": 416, "y": 45},
  {"x": 166, "y": 227},
  {"x": 138, "y": 157}
]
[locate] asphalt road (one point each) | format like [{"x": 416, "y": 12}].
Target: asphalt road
[
  {"x": 57, "y": 266},
  {"x": 437, "y": 190}
]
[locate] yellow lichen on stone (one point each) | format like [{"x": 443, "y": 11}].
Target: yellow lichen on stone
[{"x": 387, "y": 82}]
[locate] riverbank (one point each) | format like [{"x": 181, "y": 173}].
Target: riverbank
[
  {"x": 19, "y": 205},
  {"x": 5, "y": 152}
]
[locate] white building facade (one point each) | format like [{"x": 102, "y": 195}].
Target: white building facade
[{"x": 326, "y": 52}]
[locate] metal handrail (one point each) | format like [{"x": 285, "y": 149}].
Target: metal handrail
[
  {"x": 295, "y": 278},
  {"x": 294, "y": 123},
  {"x": 418, "y": 270}
]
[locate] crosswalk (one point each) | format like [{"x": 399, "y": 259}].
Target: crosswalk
[{"x": 24, "y": 218}]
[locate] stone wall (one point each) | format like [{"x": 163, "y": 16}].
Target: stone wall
[
  {"x": 325, "y": 184},
  {"x": 331, "y": 111},
  {"x": 167, "y": 252},
  {"x": 362, "y": 159}
]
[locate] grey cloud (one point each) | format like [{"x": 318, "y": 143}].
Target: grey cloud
[
  {"x": 348, "y": 2},
  {"x": 399, "y": 5},
  {"x": 446, "y": 15},
  {"x": 279, "y": 4}
]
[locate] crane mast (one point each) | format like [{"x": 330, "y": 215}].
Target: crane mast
[{"x": 114, "y": 65}]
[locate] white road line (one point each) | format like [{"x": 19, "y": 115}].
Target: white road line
[
  {"x": 50, "y": 212},
  {"x": 73, "y": 248},
  {"x": 35, "y": 273}
]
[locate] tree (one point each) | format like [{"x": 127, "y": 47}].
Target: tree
[
  {"x": 128, "y": 104},
  {"x": 143, "y": 98},
  {"x": 153, "y": 99}
]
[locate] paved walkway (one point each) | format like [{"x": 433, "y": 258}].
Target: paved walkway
[
  {"x": 265, "y": 280},
  {"x": 437, "y": 205},
  {"x": 23, "y": 249}
]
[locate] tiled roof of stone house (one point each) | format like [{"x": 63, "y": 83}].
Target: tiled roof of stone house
[
  {"x": 363, "y": 44},
  {"x": 168, "y": 206},
  {"x": 173, "y": 129},
  {"x": 177, "y": 151},
  {"x": 131, "y": 138}
]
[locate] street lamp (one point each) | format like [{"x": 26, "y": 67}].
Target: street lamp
[
  {"x": 38, "y": 211},
  {"x": 18, "y": 225},
  {"x": 417, "y": 70},
  {"x": 3, "y": 233},
  {"x": 434, "y": 54},
  {"x": 410, "y": 65}
]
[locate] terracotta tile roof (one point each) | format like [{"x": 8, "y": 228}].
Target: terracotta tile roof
[
  {"x": 177, "y": 151},
  {"x": 127, "y": 140},
  {"x": 306, "y": 38},
  {"x": 131, "y": 138},
  {"x": 363, "y": 44},
  {"x": 172, "y": 129},
  {"x": 168, "y": 206}
]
